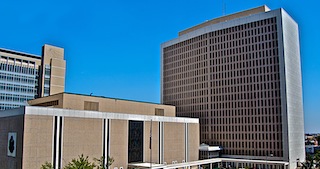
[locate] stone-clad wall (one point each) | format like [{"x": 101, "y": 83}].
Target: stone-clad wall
[{"x": 11, "y": 124}]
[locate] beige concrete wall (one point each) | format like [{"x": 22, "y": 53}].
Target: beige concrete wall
[
  {"x": 53, "y": 56},
  {"x": 50, "y": 52},
  {"x": 193, "y": 141},
  {"x": 76, "y": 102},
  {"x": 37, "y": 146},
  {"x": 37, "y": 102},
  {"x": 56, "y": 88},
  {"x": 57, "y": 82},
  {"x": 82, "y": 136},
  {"x": 11, "y": 124},
  {"x": 155, "y": 142},
  {"x": 119, "y": 143},
  {"x": 174, "y": 144},
  {"x": 85, "y": 136},
  {"x": 58, "y": 68},
  {"x": 116, "y": 105}
]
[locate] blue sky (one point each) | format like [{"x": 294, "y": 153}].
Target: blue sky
[{"x": 112, "y": 47}]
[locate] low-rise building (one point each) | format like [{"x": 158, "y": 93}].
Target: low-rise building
[
  {"x": 208, "y": 152},
  {"x": 60, "y": 127}
]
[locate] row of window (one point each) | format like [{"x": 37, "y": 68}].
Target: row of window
[
  {"x": 18, "y": 78},
  {"x": 195, "y": 105},
  {"x": 220, "y": 65},
  {"x": 16, "y": 61},
  {"x": 18, "y": 69},
  {"x": 253, "y": 152},
  {"x": 190, "y": 57},
  {"x": 244, "y": 27},
  {"x": 248, "y": 135},
  {"x": 225, "y": 114},
  {"x": 193, "y": 70},
  {"x": 4, "y": 87},
  {"x": 253, "y": 143},
  {"x": 262, "y": 74},
  {"x": 185, "y": 43},
  {"x": 244, "y": 37},
  {"x": 14, "y": 98},
  {"x": 245, "y": 103},
  {"x": 241, "y": 100},
  {"x": 260, "y": 148},
  {"x": 236, "y": 123},
  {"x": 4, "y": 106},
  {"x": 248, "y": 29},
  {"x": 46, "y": 88}
]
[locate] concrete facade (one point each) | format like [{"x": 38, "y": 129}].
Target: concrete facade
[
  {"x": 53, "y": 69},
  {"x": 58, "y": 135},
  {"x": 241, "y": 76},
  {"x": 11, "y": 124},
  {"x": 77, "y": 102}
]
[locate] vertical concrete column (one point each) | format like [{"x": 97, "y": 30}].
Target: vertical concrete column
[
  {"x": 161, "y": 143},
  {"x": 105, "y": 140},
  {"x": 186, "y": 138},
  {"x": 58, "y": 142}
]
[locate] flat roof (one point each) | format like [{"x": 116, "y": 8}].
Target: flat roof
[
  {"x": 248, "y": 12},
  {"x": 104, "y": 97},
  {"x": 49, "y": 111},
  {"x": 201, "y": 162},
  {"x": 20, "y": 53}
]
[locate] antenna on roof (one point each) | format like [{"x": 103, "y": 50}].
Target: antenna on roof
[{"x": 223, "y": 8}]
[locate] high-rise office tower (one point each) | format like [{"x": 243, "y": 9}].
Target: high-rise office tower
[
  {"x": 240, "y": 74},
  {"x": 25, "y": 76}
]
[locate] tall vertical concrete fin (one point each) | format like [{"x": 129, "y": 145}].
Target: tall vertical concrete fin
[
  {"x": 161, "y": 73},
  {"x": 52, "y": 72},
  {"x": 186, "y": 144},
  {"x": 293, "y": 89},
  {"x": 283, "y": 98}
]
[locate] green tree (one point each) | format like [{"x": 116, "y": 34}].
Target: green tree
[
  {"x": 100, "y": 162},
  {"x": 46, "y": 165},
  {"x": 318, "y": 139},
  {"x": 316, "y": 158},
  {"x": 80, "y": 163},
  {"x": 309, "y": 162}
]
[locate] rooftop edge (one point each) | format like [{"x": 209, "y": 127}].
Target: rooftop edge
[
  {"x": 248, "y": 12},
  {"x": 20, "y": 53}
]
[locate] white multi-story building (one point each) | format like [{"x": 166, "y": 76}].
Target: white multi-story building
[{"x": 25, "y": 76}]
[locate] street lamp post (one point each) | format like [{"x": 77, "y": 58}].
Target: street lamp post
[{"x": 271, "y": 155}]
